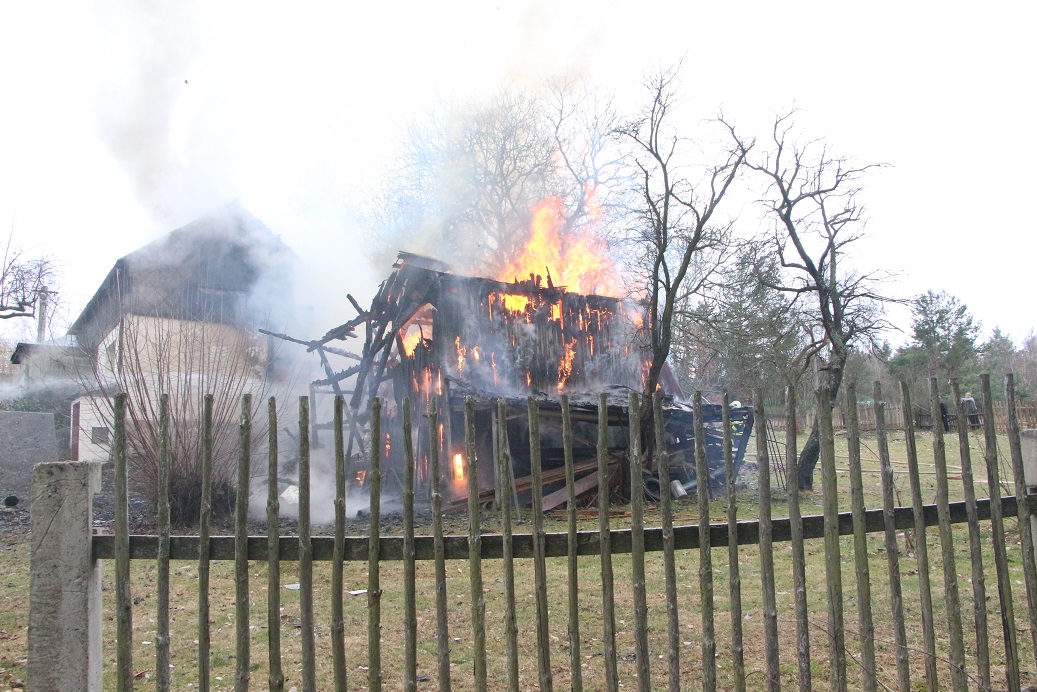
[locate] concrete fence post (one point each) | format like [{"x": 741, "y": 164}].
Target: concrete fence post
[{"x": 64, "y": 580}]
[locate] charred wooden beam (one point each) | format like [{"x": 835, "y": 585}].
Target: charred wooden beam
[{"x": 312, "y": 345}]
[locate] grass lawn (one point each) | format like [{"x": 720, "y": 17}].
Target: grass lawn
[{"x": 14, "y": 572}]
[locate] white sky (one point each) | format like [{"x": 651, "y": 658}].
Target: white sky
[{"x": 122, "y": 120}]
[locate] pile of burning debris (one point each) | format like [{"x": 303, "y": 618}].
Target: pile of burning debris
[{"x": 433, "y": 338}]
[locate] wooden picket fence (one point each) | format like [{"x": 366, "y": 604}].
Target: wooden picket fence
[
  {"x": 1025, "y": 412},
  {"x": 906, "y": 649}
]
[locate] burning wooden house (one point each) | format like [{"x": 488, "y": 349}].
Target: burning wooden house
[{"x": 433, "y": 338}]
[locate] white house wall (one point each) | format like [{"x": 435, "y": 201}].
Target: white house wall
[{"x": 91, "y": 417}]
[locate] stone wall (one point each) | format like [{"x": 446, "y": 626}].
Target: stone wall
[{"x": 26, "y": 439}]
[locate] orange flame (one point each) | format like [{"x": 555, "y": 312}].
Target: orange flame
[
  {"x": 458, "y": 467},
  {"x": 565, "y": 367},
  {"x": 514, "y": 303},
  {"x": 577, "y": 261},
  {"x": 461, "y": 352},
  {"x": 410, "y": 341}
]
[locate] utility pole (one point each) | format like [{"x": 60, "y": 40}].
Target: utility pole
[{"x": 41, "y": 315}]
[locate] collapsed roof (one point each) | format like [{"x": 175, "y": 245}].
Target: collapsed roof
[{"x": 433, "y": 337}]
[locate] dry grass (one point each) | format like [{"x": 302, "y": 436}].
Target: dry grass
[{"x": 184, "y": 581}]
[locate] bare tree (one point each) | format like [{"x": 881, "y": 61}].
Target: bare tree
[
  {"x": 468, "y": 180},
  {"x": 583, "y": 121},
  {"x": 813, "y": 198},
  {"x": 471, "y": 176},
  {"x": 22, "y": 283},
  {"x": 676, "y": 242}
]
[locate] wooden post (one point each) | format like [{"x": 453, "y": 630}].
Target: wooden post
[
  {"x": 979, "y": 588},
  {"x": 499, "y": 490},
  {"x": 162, "y": 568},
  {"x": 896, "y": 598},
  {"x": 309, "y": 663},
  {"x": 673, "y": 626},
  {"x": 374, "y": 587},
  {"x": 123, "y": 597},
  {"x": 410, "y": 608},
  {"x": 770, "y": 607},
  {"x": 575, "y": 660},
  {"x": 799, "y": 560},
  {"x": 338, "y": 626},
  {"x": 997, "y": 528},
  {"x": 439, "y": 551},
  {"x": 833, "y": 559},
  {"x": 709, "y": 642},
  {"x": 507, "y": 548},
  {"x": 608, "y": 603},
  {"x": 921, "y": 547},
  {"x": 735, "y": 579},
  {"x": 860, "y": 543},
  {"x": 637, "y": 547},
  {"x": 241, "y": 598},
  {"x": 273, "y": 547},
  {"x": 475, "y": 549},
  {"x": 543, "y": 634},
  {"x": 1026, "y": 517},
  {"x": 959, "y": 679}
]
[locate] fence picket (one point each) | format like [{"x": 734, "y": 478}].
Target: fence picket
[
  {"x": 860, "y": 544},
  {"x": 442, "y": 626},
  {"x": 510, "y": 619},
  {"x": 735, "y": 578},
  {"x": 572, "y": 567},
  {"x": 833, "y": 559},
  {"x": 709, "y": 642},
  {"x": 770, "y": 608},
  {"x": 896, "y": 596},
  {"x": 273, "y": 556},
  {"x": 959, "y": 679},
  {"x": 162, "y": 568},
  {"x": 410, "y": 608},
  {"x": 921, "y": 545},
  {"x": 979, "y": 588},
  {"x": 608, "y": 602},
  {"x": 374, "y": 588},
  {"x": 637, "y": 547},
  {"x": 1024, "y": 509},
  {"x": 799, "y": 565},
  {"x": 306, "y": 624},
  {"x": 997, "y": 528},
  {"x": 205, "y": 514},
  {"x": 338, "y": 627},
  {"x": 123, "y": 597},
  {"x": 475, "y": 549},
  {"x": 673, "y": 627},
  {"x": 543, "y": 634}
]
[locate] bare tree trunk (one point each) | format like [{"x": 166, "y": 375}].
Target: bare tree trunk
[{"x": 812, "y": 449}]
